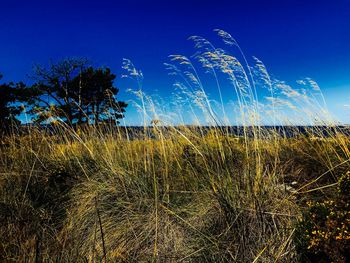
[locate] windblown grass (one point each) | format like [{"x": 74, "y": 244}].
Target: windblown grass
[
  {"x": 170, "y": 192},
  {"x": 179, "y": 196}
]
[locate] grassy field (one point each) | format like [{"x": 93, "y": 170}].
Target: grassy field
[
  {"x": 174, "y": 196},
  {"x": 174, "y": 193}
]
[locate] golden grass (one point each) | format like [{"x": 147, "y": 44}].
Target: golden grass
[
  {"x": 179, "y": 195},
  {"x": 170, "y": 192}
]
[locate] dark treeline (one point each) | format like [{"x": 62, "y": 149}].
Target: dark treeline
[{"x": 70, "y": 90}]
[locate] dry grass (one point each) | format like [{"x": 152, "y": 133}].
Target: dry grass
[
  {"x": 175, "y": 196},
  {"x": 171, "y": 192}
]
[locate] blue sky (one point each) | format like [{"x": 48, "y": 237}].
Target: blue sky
[{"x": 295, "y": 39}]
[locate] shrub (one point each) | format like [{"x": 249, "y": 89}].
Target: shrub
[{"x": 323, "y": 235}]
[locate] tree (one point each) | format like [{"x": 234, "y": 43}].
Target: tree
[
  {"x": 51, "y": 95},
  {"x": 9, "y": 94},
  {"x": 95, "y": 95},
  {"x": 75, "y": 93}
]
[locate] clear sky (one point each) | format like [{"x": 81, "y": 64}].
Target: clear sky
[{"x": 295, "y": 39}]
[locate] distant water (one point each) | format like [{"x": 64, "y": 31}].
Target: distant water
[{"x": 139, "y": 131}]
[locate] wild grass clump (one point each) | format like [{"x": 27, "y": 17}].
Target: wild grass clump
[
  {"x": 171, "y": 192},
  {"x": 167, "y": 199}
]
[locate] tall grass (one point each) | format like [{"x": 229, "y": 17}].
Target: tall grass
[{"x": 172, "y": 192}]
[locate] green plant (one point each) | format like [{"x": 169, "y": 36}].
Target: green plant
[{"x": 323, "y": 234}]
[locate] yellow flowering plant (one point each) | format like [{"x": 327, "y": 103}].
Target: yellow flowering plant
[{"x": 323, "y": 234}]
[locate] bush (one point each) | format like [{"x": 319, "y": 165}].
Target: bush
[{"x": 323, "y": 235}]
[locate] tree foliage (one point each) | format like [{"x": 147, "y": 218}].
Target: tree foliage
[
  {"x": 74, "y": 92},
  {"x": 9, "y": 94}
]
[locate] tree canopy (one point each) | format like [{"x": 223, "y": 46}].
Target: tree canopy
[
  {"x": 9, "y": 94},
  {"x": 70, "y": 90},
  {"x": 74, "y": 92}
]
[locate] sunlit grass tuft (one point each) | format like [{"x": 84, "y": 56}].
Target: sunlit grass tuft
[{"x": 172, "y": 192}]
